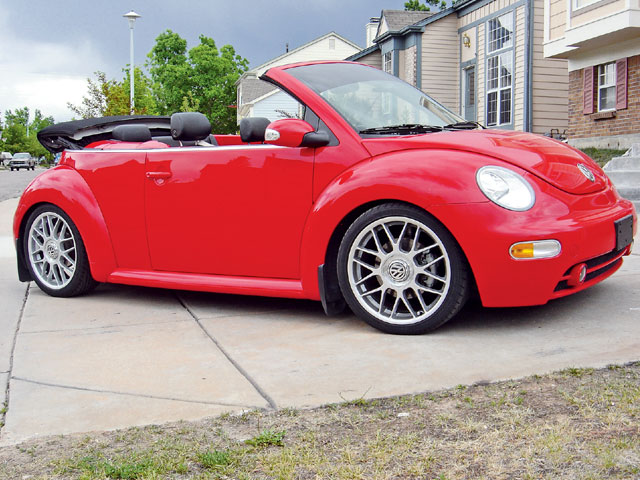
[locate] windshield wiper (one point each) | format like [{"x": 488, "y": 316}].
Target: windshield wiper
[
  {"x": 403, "y": 129},
  {"x": 463, "y": 126}
]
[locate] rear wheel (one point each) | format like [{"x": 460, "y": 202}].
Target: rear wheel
[
  {"x": 55, "y": 253},
  {"x": 401, "y": 271}
]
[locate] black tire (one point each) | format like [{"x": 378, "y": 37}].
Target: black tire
[
  {"x": 401, "y": 271},
  {"x": 11, "y": 169},
  {"x": 59, "y": 266}
]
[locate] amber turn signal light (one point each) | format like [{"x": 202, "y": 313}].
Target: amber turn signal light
[{"x": 535, "y": 249}]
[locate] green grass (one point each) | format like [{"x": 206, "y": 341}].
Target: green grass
[
  {"x": 267, "y": 438},
  {"x": 579, "y": 423},
  {"x": 602, "y": 155}
]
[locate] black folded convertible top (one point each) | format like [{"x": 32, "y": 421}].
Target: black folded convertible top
[{"x": 77, "y": 134}]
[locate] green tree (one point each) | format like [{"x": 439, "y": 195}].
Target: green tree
[
  {"x": 143, "y": 100},
  {"x": 416, "y": 5},
  {"x": 201, "y": 79},
  {"x": 20, "y": 132},
  {"x": 109, "y": 97}
]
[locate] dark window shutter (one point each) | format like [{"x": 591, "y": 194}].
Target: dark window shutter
[
  {"x": 621, "y": 84},
  {"x": 587, "y": 91}
]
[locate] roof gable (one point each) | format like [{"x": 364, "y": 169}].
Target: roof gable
[
  {"x": 312, "y": 50},
  {"x": 395, "y": 20}
]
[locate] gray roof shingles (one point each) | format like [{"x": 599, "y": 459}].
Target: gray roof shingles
[
  {"x": 398, "y": 19},
  {"x": 253, "y": 88}
]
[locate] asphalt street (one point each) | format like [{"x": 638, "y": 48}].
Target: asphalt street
[
  {"x": 124, "y": 356},
  {"x": 13, "y": 183}
]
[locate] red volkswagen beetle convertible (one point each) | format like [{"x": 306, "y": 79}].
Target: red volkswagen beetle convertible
[{"x": 374, "y": 195}]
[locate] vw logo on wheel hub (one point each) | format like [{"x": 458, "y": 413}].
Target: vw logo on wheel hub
[
  {"x": 52, "y": 250},
  {"x": 399, "y": 270}
]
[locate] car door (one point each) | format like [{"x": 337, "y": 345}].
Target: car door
[{"x": 236, "y": 210}]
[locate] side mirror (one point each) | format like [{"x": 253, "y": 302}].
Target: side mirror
[{"x": 293, "y": 132}]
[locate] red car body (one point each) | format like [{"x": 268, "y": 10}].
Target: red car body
[{"x": 261, "y": 219}]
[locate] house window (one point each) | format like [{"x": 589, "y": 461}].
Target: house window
[
  {"x": 332, "y": 44},
  {"x": 607, "y": 87},
  {"x": 583, "y": 3},
  {"x": 500, "y": 70},
  {"x": 386, "y": 64},
  {"x": 500, "y": 32}
]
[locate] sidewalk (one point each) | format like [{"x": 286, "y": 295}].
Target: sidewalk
[{"x": 125, "y": 356}]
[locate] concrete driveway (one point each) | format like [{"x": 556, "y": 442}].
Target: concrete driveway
[{"x": 125, "y": 356}]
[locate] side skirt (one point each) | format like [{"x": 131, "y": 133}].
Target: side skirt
[{"x": 266, "y": 287}]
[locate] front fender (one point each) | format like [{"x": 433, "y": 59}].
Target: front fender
[
  {"x": 425, "y": 178},
  {"x": 64, "y": 187}
]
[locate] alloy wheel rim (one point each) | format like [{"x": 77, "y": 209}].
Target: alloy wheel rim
[
  {"x": 52, "y": 250},
  {"x": 399, "y": 270}
]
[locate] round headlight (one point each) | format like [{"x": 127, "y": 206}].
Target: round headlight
[{"x": 506, "y": 188}]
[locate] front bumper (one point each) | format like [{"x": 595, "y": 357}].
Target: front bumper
[{"x": 583, "y": 224}]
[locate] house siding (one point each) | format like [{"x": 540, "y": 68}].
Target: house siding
[
  {"x": 373, "y": 59},
  {"x": 317, "y": 51},
  {"x": 549, "y": 86},
  {"x": 520, "y": 69},
  {"x": 480, "y": 17},
  {"x": 625, "y": 122},
  {"x": 557, "y": 18},
  {"x": 584, "y": 16},
  {"x": 278, "y": 101},
  {"x": 441, "y": 62}
]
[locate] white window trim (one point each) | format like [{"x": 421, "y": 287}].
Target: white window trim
[
  {"x": 606, "y": 85},
  {"x": 513, "y": 34},
  {"x": 588, "y": 3},
  {"x": 384, "y": 62},
  {"x": 496, "y": 53}
]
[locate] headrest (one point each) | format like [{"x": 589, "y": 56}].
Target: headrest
[
  {"x": 190, "y": 126},
  {"x": 252, "y": 129},
  {"x": 131, "y": 133}
]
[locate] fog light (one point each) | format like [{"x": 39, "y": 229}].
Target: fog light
[
  {"x": 577, "y": 275},
  {"x": 537, "y": 249}
]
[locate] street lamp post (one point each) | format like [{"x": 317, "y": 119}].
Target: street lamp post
[{"x": 131, "y": 16}]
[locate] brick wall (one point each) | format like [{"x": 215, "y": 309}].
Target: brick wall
[{"x": 626, "y": 121}]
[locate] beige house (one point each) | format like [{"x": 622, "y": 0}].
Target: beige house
[
  {"x": 257, "y": 98},
  {"x": 600, "y": 39},
  {"x": 481, "y": 58}
]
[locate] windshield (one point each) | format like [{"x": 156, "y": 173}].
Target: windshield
[
  {"x": 371, "y": 100},
  {"x": 21, "y": 155}
]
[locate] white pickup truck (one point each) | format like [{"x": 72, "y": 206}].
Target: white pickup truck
[{"x": 22, "y": 160}]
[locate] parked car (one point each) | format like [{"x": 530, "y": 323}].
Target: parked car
[
  {"x": 377, "y": 197},
  {"x": 22, "y": 160},
  {"x": 5, "y": 157}
]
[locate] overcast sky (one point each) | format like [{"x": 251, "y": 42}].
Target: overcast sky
[{"x": 48, "y": 48}]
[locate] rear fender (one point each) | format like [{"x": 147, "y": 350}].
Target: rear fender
[
  {"x": 423, "y": 178},
  {"x": 65, "y": 188}
]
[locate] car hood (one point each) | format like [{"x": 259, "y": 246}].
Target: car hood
[{"x": 548, "y": 159}]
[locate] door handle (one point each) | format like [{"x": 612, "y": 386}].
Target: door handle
[{"x": 158, "y": 175}]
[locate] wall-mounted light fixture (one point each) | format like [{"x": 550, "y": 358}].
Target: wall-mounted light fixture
[{"x": 466, "y": 40}]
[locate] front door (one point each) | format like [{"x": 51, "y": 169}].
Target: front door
[
  {"x": 469, "y": 81},
  {"x": 236, "y": 210}
]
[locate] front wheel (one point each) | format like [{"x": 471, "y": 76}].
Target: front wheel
[
  {"x": 55, "y": 253},
  {"x": 401, "y": 271}
]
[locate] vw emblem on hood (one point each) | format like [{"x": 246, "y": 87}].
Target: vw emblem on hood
[{"x": 586, "y": 172}]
